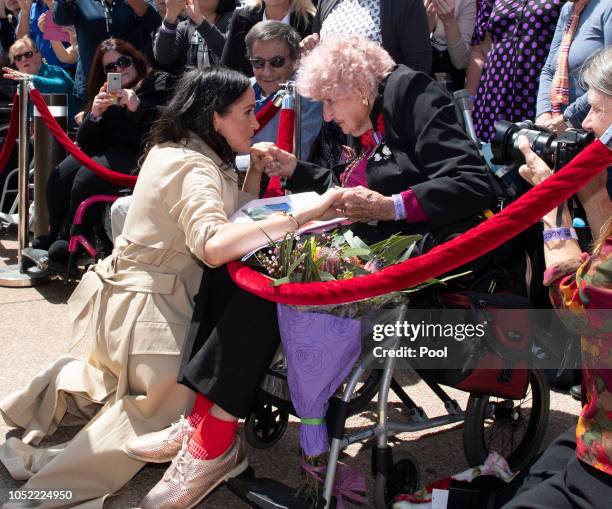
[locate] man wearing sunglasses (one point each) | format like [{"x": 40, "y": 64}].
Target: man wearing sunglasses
[{"x": 273, "y": 50}]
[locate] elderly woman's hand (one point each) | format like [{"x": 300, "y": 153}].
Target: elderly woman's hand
[
  {"x": 364, "y": 205},
  {"x": 282, "y": 164},
  {"x": 534, "y": 170}
]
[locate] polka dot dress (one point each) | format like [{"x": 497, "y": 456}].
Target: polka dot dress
[{"x": 521, "y": 32}]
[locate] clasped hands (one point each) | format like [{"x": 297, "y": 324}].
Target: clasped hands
[{"x": 358, "y": 204}]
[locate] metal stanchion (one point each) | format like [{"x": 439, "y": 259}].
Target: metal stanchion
[
  {"x": 22, "y": 274},
  {"x": 48, "y": 153},
  {"x": 297, "y": 127}
]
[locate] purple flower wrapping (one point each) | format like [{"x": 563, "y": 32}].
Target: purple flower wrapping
[{"x": 321, "y": 350}]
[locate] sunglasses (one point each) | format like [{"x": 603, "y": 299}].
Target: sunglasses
[
  {"x": 26, "y": 55},
  {"x": 123, "y": 62},
  {"x": 260, "y": 63}
]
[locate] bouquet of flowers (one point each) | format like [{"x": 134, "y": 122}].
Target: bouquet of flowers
[{"x": 322, "y": 343}]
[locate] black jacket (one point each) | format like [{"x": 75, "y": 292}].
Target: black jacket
[
  {"x": 403, "y": 26},
  {"x": 429, "y": 153},
  {"x": 119, "y": 126},
  {"x": 174, "y": 49},
  {"x": 235, "y": 51}
]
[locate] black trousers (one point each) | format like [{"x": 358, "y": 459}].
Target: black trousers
[
  {"x": 557, "y": 479},
  {"x": 70, "y": 183},
  {"x": 231, "y": 342}
]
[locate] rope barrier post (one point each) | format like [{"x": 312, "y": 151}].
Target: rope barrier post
[
  {"x": 48, "y": 153},
  {"x": 23, "y": 274},
  {"x": 297, "y": 129}
]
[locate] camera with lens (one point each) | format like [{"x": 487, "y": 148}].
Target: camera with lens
[{"x": 555, "y": 151}]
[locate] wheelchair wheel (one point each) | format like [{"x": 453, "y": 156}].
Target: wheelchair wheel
[
  {"x": 265, "y": 425},
  {"x": 405, "y": 478},
  {"x": 513, "y": 428}
]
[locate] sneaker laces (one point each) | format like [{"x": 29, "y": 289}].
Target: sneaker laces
[
  {"x": 177, "y": 428},
  {"x": 179, "y": 463}
]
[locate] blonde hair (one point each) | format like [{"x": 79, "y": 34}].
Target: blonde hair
[
  {"x": 26, "y": 40},
  {"x": 303, "y": 9},
  {"x": 341, "y": 66}
]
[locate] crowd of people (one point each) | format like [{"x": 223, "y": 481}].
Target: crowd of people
[{"x": 381, "y": 141}]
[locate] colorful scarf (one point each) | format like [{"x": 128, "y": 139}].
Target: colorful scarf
[{"x": 560, "y": 86}]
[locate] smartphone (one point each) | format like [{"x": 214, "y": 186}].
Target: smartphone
[{"x": 113, "y": 83}]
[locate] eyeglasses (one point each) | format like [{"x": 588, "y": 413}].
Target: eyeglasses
[
  {"x": 123, "y": 62},
  {"x": 27, "y": 55},
  {"x": 260, "y": 63}
]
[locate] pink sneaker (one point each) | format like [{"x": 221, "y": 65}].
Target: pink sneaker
[
  {"x": 188, "y": 480},
  {"x": 160, "y": 446}
]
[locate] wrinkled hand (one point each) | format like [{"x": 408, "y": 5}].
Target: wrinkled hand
[
  {"x": 128, "y": 99},
  {"x": 432, "y": 16},
  {"x": 282, "y": 164},
  {"x": 192, "y": 10},
  {"x": 259, "y": 156},
  {"x": 364, "y": 205},
  {"x": 308, "y": 44},
  {"x": 13, "y": 74},
  {"x": 534, "y": 171},
  {"x": 445, "y": 10}
]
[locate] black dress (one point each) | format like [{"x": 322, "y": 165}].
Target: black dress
[{"x": 234, "y": 334}]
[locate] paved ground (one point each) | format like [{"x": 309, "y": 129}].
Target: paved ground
[{"x": 34, "y": 330}]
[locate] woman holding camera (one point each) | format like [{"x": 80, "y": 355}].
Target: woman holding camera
[
  {"x": 112, "y": 133},
  {"x": 576, "y": 469}
]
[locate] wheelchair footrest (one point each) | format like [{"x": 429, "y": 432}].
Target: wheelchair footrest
[{"x": 265, "y": 493}]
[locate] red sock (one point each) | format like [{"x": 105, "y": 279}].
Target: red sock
[
  {"x": 212, "y": 437},
  {"x": 200, "y": 409}
]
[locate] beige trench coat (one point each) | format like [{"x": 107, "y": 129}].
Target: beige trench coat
[{"x": 138, "y": 305}]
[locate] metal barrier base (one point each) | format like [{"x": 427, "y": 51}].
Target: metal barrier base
[{"x": 15, "y": 276}]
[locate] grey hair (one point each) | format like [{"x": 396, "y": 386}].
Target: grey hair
[
  {"x": 596, "y": 72},
  {"x": 272, "y": 31}
]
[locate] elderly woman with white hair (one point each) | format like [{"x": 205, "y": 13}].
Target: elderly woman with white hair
[{"x": 413, "y": 168}]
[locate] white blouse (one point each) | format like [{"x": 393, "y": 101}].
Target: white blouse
[
  {"x": 354, "y": 17},
  {"x": 465, "y": 14}
]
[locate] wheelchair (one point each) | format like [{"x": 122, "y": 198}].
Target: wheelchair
[{"x": 507, "y": 409}]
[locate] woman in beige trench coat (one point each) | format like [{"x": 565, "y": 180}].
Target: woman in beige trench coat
[{"x": 138, "y": 302}]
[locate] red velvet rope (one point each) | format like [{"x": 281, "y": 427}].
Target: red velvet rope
[
  {"x": 485, "y": 237},
  {"x": 114, "y": 177},
  {"x": 266, "y": 114},
  {"x": 11, "y": 135}
]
